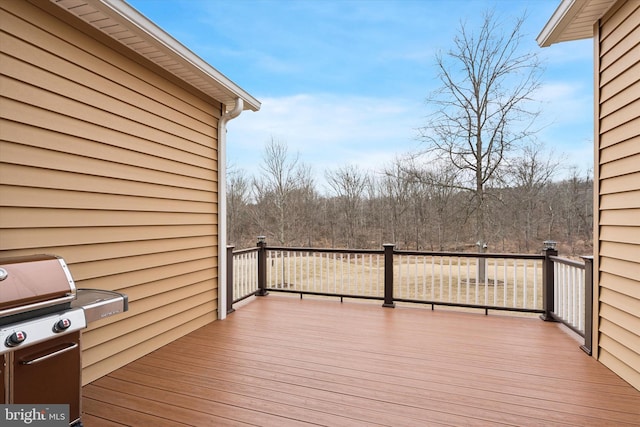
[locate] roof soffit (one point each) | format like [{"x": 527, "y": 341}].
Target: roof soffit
[
  {"x": 573, "y": 20},
  {"x": 127, "y": 26}
]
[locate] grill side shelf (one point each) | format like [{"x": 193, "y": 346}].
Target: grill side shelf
[{"x": 99, "y": 304}]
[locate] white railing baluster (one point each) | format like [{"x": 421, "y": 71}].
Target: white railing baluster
[
  {"x": 556, "y": 292},
  {"x": 291, "y": 281},
  {"x": 275, "y": 269},
  {"x": 573, "y": 300},
  {"x": 486, "y": 280},
  {"x": 238, "y": 273},
  {"x": 571, "y": 283},
  {"x": 468, "y": 279},
  {"x": 349, "y": 273},
  {"x": 378, "y": 275},
  {"x": 423, "y": 277},
  {"x": 535, "y": 285},
  {"x": 560, "y": 310},
  {"x": 581, "y": 301},
  {"x": 495, "y": 281},
  {"x": 399, "y": 285},
  {"x": 322, "y": 287},
  {"x": 354, "y": 286},
  {"x": 459, "y": 282},
  {"x": 365, "y": 283},
  {"x": 477, "y": 279},
  {"x": 505, "y": 282},
  {"x": 450, "y": 279},
  {"x": 254, "y": 276},
  {"x": 336, "y": 262},
  {"x": 307, "y": 264},
  {"x": 340, "y": 274},
  {"x": 416, "y": 277},
  {"x": 567, "y": 290},
  {"x": 441, "y": 281},
  {"x": 433, "y": 278},
  {"x": 515, "y": 283},
  {"x": 565, "y": 312},
  {"x": 370, "y": 275},
  {"x": 313, "y": 271},
  {"x": 524, "y": 284},
  {"x": 245, "y": 272},
  {"x": 304, "y": 270}
]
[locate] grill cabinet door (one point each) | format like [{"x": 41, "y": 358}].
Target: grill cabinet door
[
  {"x": 4, "y": 378},
  {"x": 49, "y": 372}
]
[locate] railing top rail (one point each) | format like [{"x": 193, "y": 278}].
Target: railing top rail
[
  {"x": 569, "y": 262},
  {"x": 404, "y": 252},
  {"x": 326, "y": 250},
  {"x": 472, "y": 254},
  {"x": 242, "y": 251}
]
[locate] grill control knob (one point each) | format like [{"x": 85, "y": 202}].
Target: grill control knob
[
  {"x": 15, "y": 339},
  {"x": 62, "y": 325}
]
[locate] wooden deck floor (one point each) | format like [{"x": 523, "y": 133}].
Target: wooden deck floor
[{"x": 282, "y": 361}]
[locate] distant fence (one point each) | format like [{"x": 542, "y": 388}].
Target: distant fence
[{"x": 554, "y": 287}]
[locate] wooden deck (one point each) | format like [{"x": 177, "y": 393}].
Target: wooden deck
[{"x": 282, "y": 361}]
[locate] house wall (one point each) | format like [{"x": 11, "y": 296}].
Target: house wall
[
  {"x": 111, "y": 164},
  {"x": 618, "y": 190}
]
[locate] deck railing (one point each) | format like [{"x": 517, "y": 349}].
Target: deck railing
[
  {"x": 242, "y": 275},
  {"x": 554, "y": 287},
  {"x": 573, "y": 290}
]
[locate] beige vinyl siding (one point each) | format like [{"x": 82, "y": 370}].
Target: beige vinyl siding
[
  {"x": 111, "y": 164},
  {"x": 618, "y": 103}
]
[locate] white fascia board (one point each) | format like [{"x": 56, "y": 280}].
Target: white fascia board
[
  {"x": 562, "y": 16},
  {"x": 136, "y": 19}
]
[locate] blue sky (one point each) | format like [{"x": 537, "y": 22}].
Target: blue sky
[{"x": 345, "y": 81}]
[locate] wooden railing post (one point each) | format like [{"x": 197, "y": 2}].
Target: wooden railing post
[
  {"x": 262, "y": 267},
  {"x": 230, "y": 308},
  {"x": 548, "y": 300},
  {"x": 388, "y": 275},
  {"x": 588, "y": 304}
]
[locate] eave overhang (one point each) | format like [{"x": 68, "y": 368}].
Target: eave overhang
[
  {"x": 573, "y": 20},
  {"x": 127, "y": 26}
]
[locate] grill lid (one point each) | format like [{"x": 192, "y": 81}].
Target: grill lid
[{"x": 34, "y": 282}]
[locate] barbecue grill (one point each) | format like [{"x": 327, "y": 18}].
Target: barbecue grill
[{"x": 41, "y": 316}]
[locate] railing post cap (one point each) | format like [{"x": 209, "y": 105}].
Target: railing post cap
[{"x": 388, "y": 244}]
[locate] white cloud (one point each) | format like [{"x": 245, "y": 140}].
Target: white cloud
[{"x": 327, "y": 131}]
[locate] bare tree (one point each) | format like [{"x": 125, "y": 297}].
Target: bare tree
[
  {"x": 349, "y": 184},
  {"x": 304, "y": 216},
  {"x": 529, "y": 174},
  {"x": 576, "y": 210},
  {"x": 238, "y": 200},
  {"x": 395, "y": 190},
  {"x": 438, "y": 183},
  {"x": 483, "y": 108},
  {"x": 282, "y": 175}
]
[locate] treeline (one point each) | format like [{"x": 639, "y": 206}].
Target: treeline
[{"x": 416, "y": 205}]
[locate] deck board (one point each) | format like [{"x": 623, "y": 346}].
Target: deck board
[{"x": 282, "y": 361}]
